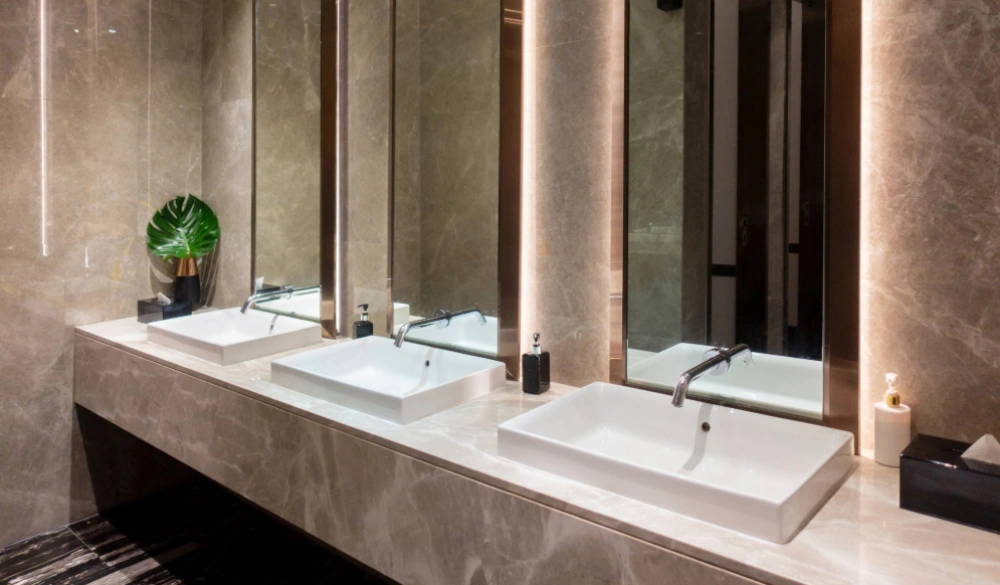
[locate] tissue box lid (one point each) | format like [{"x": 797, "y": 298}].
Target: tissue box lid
[{"x": 937, "y": 450}]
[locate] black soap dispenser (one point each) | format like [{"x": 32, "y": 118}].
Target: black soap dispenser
[
  {"x": 364, "y": 327},
  {"x": 535, "y": 369}
]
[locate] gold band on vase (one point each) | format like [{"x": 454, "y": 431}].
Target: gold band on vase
[{"x": 187, "y": 267}]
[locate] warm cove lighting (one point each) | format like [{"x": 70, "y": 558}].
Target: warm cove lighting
[
  {"x": 43, "y": 42},
  {"x": 528, "y": 309}
]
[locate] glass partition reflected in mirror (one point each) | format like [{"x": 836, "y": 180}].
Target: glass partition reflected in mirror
[
  {"x": 287, "y": 123},
  {"x": 446, "y": 224},
  {"x": 739, "y": 260}
]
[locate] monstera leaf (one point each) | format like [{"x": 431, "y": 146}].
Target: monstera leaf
[{"x": 184, "y": 228}]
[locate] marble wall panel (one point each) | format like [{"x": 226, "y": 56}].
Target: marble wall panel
[
  {"x": 227, "y": 151},
  {"x": 572, "y": 183},
  {"x": 366, "y": 208},
  {"x": 413, "y": 521},
  {"x": 287, "y": 119},
  {"x": 656, "y": 176},
  {"x": 931, "y": 214},
  {"x": 121, "y": 118}
]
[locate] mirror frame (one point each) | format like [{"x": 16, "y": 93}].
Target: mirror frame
[
  {"x": 841, "y": 337},
  {"x": 511, "y": 16}
]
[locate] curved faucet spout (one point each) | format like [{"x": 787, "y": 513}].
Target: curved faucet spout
[
  {"x": 716, "y": 365},
  {"x": 285, "y": 292},
  {"x": 443, "y": 318}
]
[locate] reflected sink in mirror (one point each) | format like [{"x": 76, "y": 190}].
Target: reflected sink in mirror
[
  {"x": 463, "y": 334},
  {"x": 400, "y": 385},
  {"x": 228, "y": 337},
  {"x": 774, "y": 382},
  {"x": 755, "y": 474},
  {"x": 303, "y": 306}
]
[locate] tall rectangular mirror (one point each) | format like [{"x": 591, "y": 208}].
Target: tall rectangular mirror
[
  {"x": 287, "y": 150},
  {"x": 729, "y": 244},
  {"x": 456, "y": 192}
]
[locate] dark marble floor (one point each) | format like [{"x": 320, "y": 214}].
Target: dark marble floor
[{"x": 198, "y": 533}]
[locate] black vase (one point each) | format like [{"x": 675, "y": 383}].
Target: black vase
[{"x": 188, "y": 288}]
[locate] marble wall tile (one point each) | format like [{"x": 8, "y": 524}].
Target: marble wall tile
[
  {"x": 120, "y": 109},
  {"x": 35, "y": 402},
  {"x": 227, "y": 51},
  {"x": 227, "y": 162},
  {"x": 931, "y": 225},
  {"x": 408, "y": 519},
  {"x": 572, "y": 184}
]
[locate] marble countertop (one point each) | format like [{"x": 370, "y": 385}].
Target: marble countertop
[{"x": 860, "y": 536}]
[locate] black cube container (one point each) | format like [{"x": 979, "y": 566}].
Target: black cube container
[
  {"x": 934, "y": 480},
  {"x": 150, "y": 310}
]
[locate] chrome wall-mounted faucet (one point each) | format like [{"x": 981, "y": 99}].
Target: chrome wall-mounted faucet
[
  {"x": 442, "y": 318},
  {"x": 717, "y": 363},
  {"x": 285, "y": 292}
]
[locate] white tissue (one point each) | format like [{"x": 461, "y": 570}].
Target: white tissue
[
  {"x": 984, "y": 455},
  {"x": 163, "y": 299}
]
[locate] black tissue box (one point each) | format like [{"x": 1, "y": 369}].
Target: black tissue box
[
  {"x": 150, "y": 310},
  {"x": 934, "y": 480}
]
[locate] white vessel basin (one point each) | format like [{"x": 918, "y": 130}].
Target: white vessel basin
[
  {"x": 776, "y": 383},
  {"x": 229, "y": 337},
  {"x": 759, "y": 475},
  {"x": 398, "y": 384}
]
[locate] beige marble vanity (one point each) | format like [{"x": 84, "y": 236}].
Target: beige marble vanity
[{"x": 431, "y": 502}]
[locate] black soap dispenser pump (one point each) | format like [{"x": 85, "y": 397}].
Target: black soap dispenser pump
[
  {"x": 535, "y": 369},
  {"x": 364, "y": 327}
]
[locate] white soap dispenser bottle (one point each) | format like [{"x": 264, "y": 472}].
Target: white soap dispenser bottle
[{"x": 892, "y": 425}]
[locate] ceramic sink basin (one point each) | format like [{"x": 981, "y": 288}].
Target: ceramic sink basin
[
  {"x": 398, "y": 384},
  {"x": 759, "y": 475},
  {"x": 229, "y": 337}
]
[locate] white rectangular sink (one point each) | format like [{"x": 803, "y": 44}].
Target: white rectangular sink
[
  {"x": 776, "y": 383},
  {"x": 398, "y": 384},
  {"x": 759, "y": 475},
  {"x": 228, "y": 337}
]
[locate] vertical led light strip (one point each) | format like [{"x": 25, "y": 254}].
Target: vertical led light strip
[
  {"x": 864, "y": 311},
  {"x": 43, "y": 39},
  {"x": 340, "y": 273},
  {"x": 529, "y": 321}
]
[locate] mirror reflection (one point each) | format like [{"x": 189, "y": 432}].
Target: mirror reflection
[
  {"x": 739, "y": 261},
  {"x": 446, "y": 195},
  {"x": 287, "y": 157}
]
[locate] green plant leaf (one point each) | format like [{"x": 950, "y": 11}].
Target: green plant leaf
[{"x": 184, "y": 227}]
